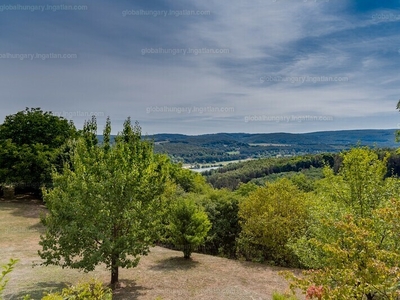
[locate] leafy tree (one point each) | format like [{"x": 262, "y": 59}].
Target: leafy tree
[
  {"x": 222, "y": 208},
  {"x": 188, "y": 180},
  {"x": 270, "y": 217},
  {"x": 33, "y": 126},
  {"x": 363, "y": 262},
  {"x": 352, "y": 236},
  {"x": 358, "y": 189},
  {"x": 302, "y": 182},
  {"x": 360, "y": 183},
  {"x": 244, "y": 189},
  {"x": 188, "y": 225},
  {"x": 30, "y": 142},
  {"x": 106, "y": 203}
]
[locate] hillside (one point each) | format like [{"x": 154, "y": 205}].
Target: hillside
[
  {"x": 211, "y": 148},
  {"x": 163, "y": 274}
]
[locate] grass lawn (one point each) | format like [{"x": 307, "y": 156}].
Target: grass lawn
[{"x": 163, "y": 273}]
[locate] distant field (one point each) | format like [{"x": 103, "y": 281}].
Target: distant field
[{"x": 164, "y": 273}]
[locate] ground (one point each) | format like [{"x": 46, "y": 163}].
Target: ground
[{"x": 163, "y": 273}]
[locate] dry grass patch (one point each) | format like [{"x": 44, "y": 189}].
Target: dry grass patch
[{"x": 163, "y": 273}]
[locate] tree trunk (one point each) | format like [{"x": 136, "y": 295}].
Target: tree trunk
[
  {"x": 187, "y": 251},
  {"x": 114, "y": 271},
  {"x": 114, "y": 259}
]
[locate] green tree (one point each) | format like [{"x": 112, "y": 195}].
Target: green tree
[
  {"x": 358, "y": 188},
  {"x": 352, "y": 236},
  {"x": 363, "y": 262},
  {"x": 270, "y": 217},
  {"x": 106, "y": 203},
  {"x": 222, "y": 208},
  {"x": 188, "y": 180},
  {"x": 30, "y": 142},
  {"x": 188, "y": 225},
  {"x": 244, "y": 189}
]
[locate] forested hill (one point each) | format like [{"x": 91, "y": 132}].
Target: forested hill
[
  {"x": 382, "y": 137},
  {"x": 218, "y": 147},
  {"x": 212, "y": 148}
]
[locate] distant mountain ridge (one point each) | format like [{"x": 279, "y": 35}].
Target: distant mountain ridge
[
  {"x": 380, "y": 137},
  {"x": 218, "y": 147}
]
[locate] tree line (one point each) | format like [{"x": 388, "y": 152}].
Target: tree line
[{"x": 232, "y": 175}]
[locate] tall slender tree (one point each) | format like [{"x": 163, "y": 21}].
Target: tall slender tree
[{"x": 106, "y": 203}]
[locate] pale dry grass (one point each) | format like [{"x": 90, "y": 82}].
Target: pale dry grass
[{"x": 163, "y": 273}]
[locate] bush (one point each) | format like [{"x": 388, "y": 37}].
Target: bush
[
  {"x": 93, "y": 290},
  {"x": 270, "y": 217}
]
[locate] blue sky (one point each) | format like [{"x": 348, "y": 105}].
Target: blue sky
[{"x": 193, "y": 67}]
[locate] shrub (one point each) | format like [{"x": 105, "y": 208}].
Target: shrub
[
  {"x": 362, "y": 263},
  {"x": 270, "y": 217},
  {"x": 93, "y": 290}
]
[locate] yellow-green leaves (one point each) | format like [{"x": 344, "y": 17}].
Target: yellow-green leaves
[
  {"x": 270, "y": 217},
  {"x": 352, "y": 238},
  {"x": 6, "y": 270}
]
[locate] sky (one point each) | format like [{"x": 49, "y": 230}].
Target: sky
[{"x": 209, "y": 66}]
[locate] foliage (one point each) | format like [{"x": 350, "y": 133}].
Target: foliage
[
  {"x": 303, "y": 182},
  {"x": 278, "y": 296},
  {"x": 33, "y": 126},
  {"x": 352, "y": 237},
  {"x": 232, "y": 175},
  {"x": 188, "y": 225},
  {"x": 30, "y": 142},
  {"x": 93, "y": 290},
  {"x": 360, "y": 182},
  {"x": 244, "y": 189},
  {"x": 270, "y": 217},
  {"x": 214, "y": 148},
  {"x": 304, "y": 179},
  {"x": 106, "y": 203},
  {"x": 363, "y": 262},
  {"x": 6, "y": 270},
  {"x": 358, "y": 188},
  {"x": 188, "y": 180},
  {"x": 222, "y": 208}
]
